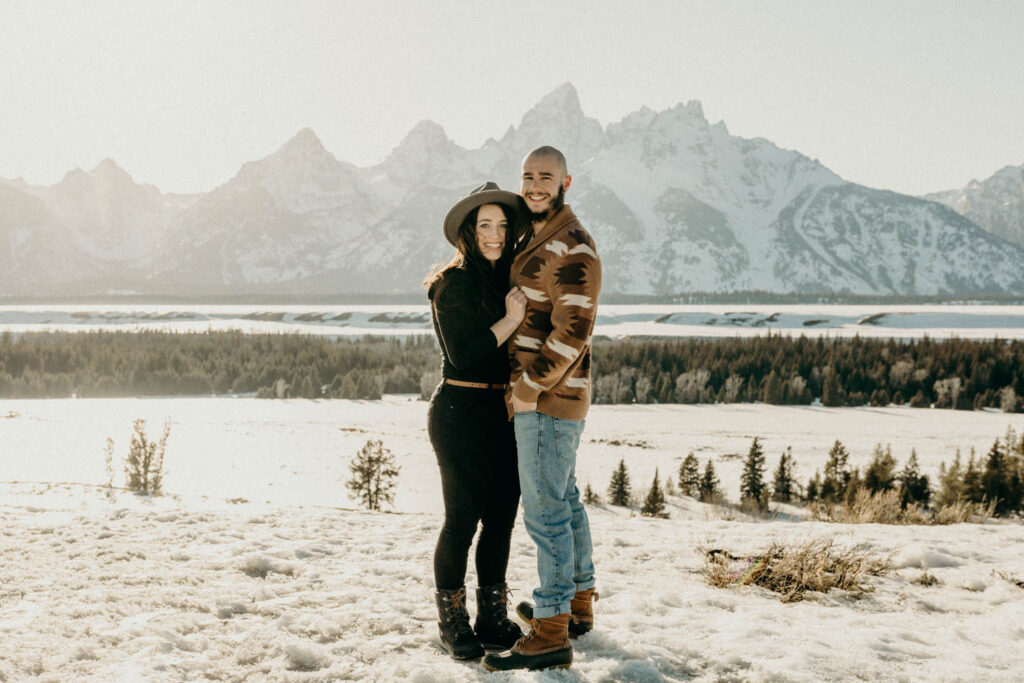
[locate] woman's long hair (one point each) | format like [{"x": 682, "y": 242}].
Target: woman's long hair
[{"x": 468, "y": 257}]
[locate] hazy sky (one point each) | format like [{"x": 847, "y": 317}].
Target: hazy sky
[{"x": 913, "y": 96}]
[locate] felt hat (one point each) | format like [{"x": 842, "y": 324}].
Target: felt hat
[{"x": 488, "y": 193}]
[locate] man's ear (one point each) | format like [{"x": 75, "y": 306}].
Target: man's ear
[{"x": 567, "y": 182}]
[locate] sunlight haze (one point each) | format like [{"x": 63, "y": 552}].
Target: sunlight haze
[{"x": 914, "y": 97}]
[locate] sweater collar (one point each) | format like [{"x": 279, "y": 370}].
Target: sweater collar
[{"x": 561, "y": 218}]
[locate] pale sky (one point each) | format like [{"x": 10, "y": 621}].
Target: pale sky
[{"x": 912, "y": 96}]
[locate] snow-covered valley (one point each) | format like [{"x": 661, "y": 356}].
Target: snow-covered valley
[{"x": 255, "y": 566}]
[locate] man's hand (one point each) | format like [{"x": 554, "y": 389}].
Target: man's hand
[{"x": 521, "y": 406}]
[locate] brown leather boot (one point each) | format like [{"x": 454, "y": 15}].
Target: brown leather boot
[
  {"x": 546, "y": 646},
  {"x": 582, "y": 606}
]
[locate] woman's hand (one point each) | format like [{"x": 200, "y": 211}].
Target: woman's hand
[{"x": 515, "y": 305}]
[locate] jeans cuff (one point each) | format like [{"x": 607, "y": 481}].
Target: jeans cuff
[
  {"x": 586, "y": 585},
  {"x": 545, "y": 612}
]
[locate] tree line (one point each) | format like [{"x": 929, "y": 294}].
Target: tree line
[
  {"x": 956, "y": 373},
  {"x": 993, "y": 483}
]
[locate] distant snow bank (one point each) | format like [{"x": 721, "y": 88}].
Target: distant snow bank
[{"x": 904, "y": 322}]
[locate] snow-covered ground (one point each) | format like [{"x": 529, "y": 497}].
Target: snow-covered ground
[
  {"x": 295, "y": 585},
  {"x": 616, "y": 321}
]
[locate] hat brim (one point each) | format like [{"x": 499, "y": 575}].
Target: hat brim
[{"x": 457, "y": 214}]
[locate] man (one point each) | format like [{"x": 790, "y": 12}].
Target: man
[{"x": 557, "y": 267}]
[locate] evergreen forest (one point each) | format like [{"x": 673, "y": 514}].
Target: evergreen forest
[{"x": 955, "y": 374}]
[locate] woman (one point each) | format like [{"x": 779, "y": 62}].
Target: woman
[{"x": 474, "y": 313}]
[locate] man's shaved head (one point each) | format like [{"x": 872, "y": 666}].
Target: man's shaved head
[{"x": 548, "y": 151}]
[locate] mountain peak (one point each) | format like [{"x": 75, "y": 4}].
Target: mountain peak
[
  {"x": 426, "y": 133},
  {"x": 108, "y": 170},
  {"x": 304, "y": 141},
  {"x": 692, "y": 109},
  {"x": 561, "y": 102}
]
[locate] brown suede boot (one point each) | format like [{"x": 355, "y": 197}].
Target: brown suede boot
[
  {"x": 582, "y": 606},
  {"x": 546, "y": 646}
]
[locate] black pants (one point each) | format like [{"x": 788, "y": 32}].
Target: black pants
[{"x": 475, "y": 446}]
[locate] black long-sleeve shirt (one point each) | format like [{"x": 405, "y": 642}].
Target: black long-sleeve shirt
[{"x": 464, "y": 305}]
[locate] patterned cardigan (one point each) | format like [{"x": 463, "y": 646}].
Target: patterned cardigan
[{"x": 559, "y": 271}]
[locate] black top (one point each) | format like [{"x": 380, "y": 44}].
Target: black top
[{"x": 465, "y": 302}]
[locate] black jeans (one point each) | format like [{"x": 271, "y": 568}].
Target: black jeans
[{"x": 475, "y": 445}]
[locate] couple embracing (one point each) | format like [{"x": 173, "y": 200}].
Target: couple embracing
[{"x": 513, "y": 312}]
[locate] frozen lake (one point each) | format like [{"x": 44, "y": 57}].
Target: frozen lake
[{"x": 616, "y": 321}]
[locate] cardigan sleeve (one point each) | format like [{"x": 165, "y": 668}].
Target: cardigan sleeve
[{"x": 464, "y": 339}]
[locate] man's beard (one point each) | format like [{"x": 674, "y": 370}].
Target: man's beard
[{"x": 557, "y": 203}]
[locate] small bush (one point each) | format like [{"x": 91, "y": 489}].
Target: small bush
[
  {"x": 590, "y": 497},
  {"x": 373, "y": 475},
  {"x": 817, "y": 565},
  {"x": 144, "y": 468}
]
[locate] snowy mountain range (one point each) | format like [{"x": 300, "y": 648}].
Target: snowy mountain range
[
  {"x": 676, "y": 205},
  {"x": 995, "y": 204}
]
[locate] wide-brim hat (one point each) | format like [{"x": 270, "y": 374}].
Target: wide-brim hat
[{"x": 488, "y": 193}]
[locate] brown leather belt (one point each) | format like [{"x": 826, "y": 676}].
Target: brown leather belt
[{"x": 474, "y": 385}]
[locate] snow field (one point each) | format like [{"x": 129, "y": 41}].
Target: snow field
[
  {"x": 98, "y": 586},
  {"x": 130, "y": 589}
]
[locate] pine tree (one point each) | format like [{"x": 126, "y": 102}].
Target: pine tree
[
  {"x": 881, "y": 472},
  {"x": 995, "y": 479},
  {"x": 709, "y": 484},
  {"x": 689, "y": 476},
  {"x": 752, "y": 486},
  {"x": 374, "y": 471},
  {"x": 951, "y": 482},
  {"x": 619, "y": 490},
  {"x": 914, "y": 486},
  {"x": 814, "y": 487},
  {"x": 654, "y": 504},
  {"x": 782, "y": 487},
  {"x": 837, "y": 473},
  {"x": 772, "y": 393},
  {"x": 832, "y": 391},
  {"x": 973, "y": 488},
  {"x": 590, "y": 497}
]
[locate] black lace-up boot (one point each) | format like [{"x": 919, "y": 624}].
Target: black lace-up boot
[
  {"x": 493, "y": 627},
  {"x": 457, "y": 635}
]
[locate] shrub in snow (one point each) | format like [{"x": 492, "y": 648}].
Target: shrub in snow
[
  {"x": 373, "y": 475},
  {"x": 108, "y": 457},
  {"x": 590, "y": 497},
  {"x": 816, "y": 565},
  {"x": 144, "y": 467}
]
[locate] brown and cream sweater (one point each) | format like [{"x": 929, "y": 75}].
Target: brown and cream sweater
[{"x": 559, "y": 271}]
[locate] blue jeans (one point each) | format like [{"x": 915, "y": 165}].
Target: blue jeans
[{"x": 555, "y": 517}]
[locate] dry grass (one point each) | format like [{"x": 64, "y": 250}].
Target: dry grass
[
  {"x": 1019, "y": 583},
  {"x": 962, "y": 512},
  {"x": 817, "y": 565},
  {"x": 927, "y": 580},
  {"x": 885, "y": 508}
]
